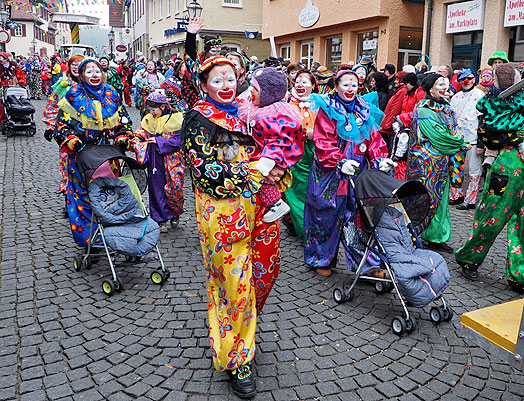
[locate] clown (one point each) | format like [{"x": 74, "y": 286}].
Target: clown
[
  {"x": 147, "y": 81},
  {"x": 434, "y": 141},
  {"x": 112, "y": 77},
  {"x": 10, "y": 74},
  {"x": 501, "y": 129},
  {"x": 304, "y": 84},
  {"x": 90, "y": 114},
  {"x": 346, "y": 141}
]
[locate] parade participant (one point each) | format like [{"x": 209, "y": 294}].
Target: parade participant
[
  {"x": 90, "y": 113},
  {"x": 241, "y": 252},
  {"x": 362, "y": 74},
  {"x": 240, "y": 66},
  {"x": 434, "y": 140},
  {"x": 498, "y": 58},
  {"x": 393, "y": 109},
  {"x": 304, "y": 85},
  {"x": 464, "y": 103},
  {"x": 157, "y": 144},
  {"x": 173, "y": 89},
  {"x": 125, "y": 72},
  {"x": 501, "y": 202},
  {"x": 112, "y": 77},
  {"x": 34, "y": 77},
  {"x": 10, "y": 74},
  {"x": 325, "y": 80},
  {"x": 278, "y": 134},
  {"x": 147, "y": 81},
  {"x": 291, "y": 72},
  {"x": 56, "y": 69},
  {"x": 486, "y": 79},
  {"x": 347, "y": 141}
]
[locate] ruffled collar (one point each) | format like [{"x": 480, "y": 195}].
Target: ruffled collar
[
  {"x": 81, "y": 99},
  {"x": 220, "y": 117}
]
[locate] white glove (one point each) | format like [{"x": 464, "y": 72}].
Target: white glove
[
  {"x": 349, "y": 167},
  {"x": 265, "y": 165},
  {"x": 396, "y": 127},
  {"x": 521, "y": 151},
  {"x": 402, "y": 144},
  {"x": 386, "y": 165}
]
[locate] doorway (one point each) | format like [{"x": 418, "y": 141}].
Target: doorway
[{"x": 467, "y": 48}]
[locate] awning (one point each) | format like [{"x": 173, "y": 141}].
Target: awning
[{"x": 169, "y": 43}]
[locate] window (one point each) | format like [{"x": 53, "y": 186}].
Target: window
[
  {"x": 306, "y": 53},
  {"x": 285, "y": 51},
  {"x": 160, "y": 9},
  {"x": 232, "y": 3},
  {"x": 153, "y": 11},
  {"x": 333, "y": 52},
  {"x": 367, "y": 44},
  {"x": 177, "y": 5},
  {"x": 168, "y": 7},
  {"x": 19, "y": 30}
]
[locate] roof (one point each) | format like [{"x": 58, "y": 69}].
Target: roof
[{"x": 24, "y": 12}]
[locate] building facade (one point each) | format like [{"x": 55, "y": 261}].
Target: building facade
[
  {"x": 230, "y": 19},
  {"x": 339, "y": 32},
  {"x": 137, "y": 22},
  {"x": 470, "y": 32}
]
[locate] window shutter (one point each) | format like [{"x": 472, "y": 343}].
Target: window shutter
[{"x": 23, "y": 30}]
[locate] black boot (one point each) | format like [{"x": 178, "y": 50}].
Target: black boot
[
  {"x": 243, "y": 381},
  {"x": 438, "y": 246},
  {"x": 469, "y": 270},
  {"x": 457, "y": 201},
  {"x": 517, "y": 287}
]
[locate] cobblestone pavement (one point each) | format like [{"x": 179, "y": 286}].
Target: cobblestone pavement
[{"x": 62, "y": 339}]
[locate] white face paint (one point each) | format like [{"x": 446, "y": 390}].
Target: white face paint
[
  {"x": 150, "y": 67},
  {"x": 215, "y": 50},
  {"x": 222, "y": 84},
  {"x": 74, "y": 69},
  {"x": 104, "y": 63},
  {"x": 235, "y": 62},
  {"x": 347, "y": 88},
  {"x": 361, "y": 72},
  {"x": 93, "y": 74},
  {"x": 440, "y": 88},
  {"x": 303, "y": 85}
]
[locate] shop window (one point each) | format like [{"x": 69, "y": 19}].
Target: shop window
[
  {"x": 410, "y": 46},
  {"x": 466, "y": 49},
  {"x": 367, "y": 44},
  {"x": 306, "y": 53},
  {"x": 333, "y": 52},
  {"x": 285, "y": 52},
  {"x": 517, "y": 50}
]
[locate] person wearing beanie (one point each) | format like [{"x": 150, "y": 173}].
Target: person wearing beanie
[
  {"x": 501, "y": 202},
  {"x": 157, "y": 144},
  {"x": 346, "y": 141},
  {"x": 433, "y": 146},
  {"x": 112, "y": 77},
  {"x": 277, "y": 130},
  {"x": 379, "y": 83},
  {"x": 465, "y": 105},
  {"x": 240, "y": 65}
]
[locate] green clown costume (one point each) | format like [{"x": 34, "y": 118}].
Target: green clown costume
[{"x": 501, "y": 203}]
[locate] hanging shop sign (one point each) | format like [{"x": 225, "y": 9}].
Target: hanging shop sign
[
  {"x": 309, "y": 15},
  {"x": 514, "y": 13},
  {"x": 465, "y": 17}
]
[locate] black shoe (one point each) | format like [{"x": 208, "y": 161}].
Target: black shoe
[
  {"x": 456, "y": 201},
  {"x": 438, "y": 247},
  {"x": 516, "y": 286},
  {"x": 470, "y": 273},
  {"x": 465, "y": 206},
  {"x": 243, "y": 381}
]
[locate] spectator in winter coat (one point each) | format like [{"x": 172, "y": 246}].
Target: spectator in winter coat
[
  {"x": 393, "y": 109},
  {"x": 389, "y": 71},
  {"x": 379, "y": 83},
  {"x": 414, "y": 93}
]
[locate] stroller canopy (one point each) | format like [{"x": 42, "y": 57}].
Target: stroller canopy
[
  {"x": 93, "y": 156},
  {"x": 376, "y": 189}
]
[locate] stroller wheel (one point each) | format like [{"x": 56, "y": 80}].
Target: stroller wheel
[
  {"x": 158, "y": 277},
  {"x": 380, "y": 287},
  {"x": 411, "y": 324},
  {"x": 447, "y": 313},
  {"x": 87, "y": 263},
  {"x": 108, "y": 287},
  {"x": 8, "y": 131},
  {"x": 388, "y": 287},
  {"x": 77, "y": 263},
  {"x": 338, "y": 295},
  {"x": 118, "y": 285},
  {"x": 435, "y": 314},
  {"x": 398, "y": 325},
  {"x": 129, "y": 258},
  {"x": 167, "y": 273}
]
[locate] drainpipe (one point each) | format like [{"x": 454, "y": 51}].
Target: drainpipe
[{"x": 428, "y": 26}]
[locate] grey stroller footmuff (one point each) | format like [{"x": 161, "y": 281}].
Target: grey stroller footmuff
[
  {"x": 422, "y": 274},
  {"x": 126, "y": 229}
]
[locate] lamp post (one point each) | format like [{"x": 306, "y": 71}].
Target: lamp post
[
  {"x": 33, "y": 45},
  {"x": 194, "y": 10},
  {"x": 111, "y": 36},
  {"x": 4, "y": 17}
]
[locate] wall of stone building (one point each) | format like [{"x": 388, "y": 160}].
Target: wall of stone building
[{"x": 496, "y": 37}]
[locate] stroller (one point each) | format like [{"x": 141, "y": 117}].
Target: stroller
[
  {"x": 115, "y": 183},
  {"x": 389, "y": 210},
  {"x": 18, "y": 111}
]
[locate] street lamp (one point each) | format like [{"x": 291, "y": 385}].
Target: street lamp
[
  {"x": 4, "y": 18},
  {"x": 194, "y": 10},
  {"x": 33, "y": 44},
  {"x": 111, "y": 36}
]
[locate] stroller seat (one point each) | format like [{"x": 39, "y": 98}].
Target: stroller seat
[
  {"x": 126, "y": 227},
  {"x": 19, "y": 106},
  {"x": 422, "y": 274}
]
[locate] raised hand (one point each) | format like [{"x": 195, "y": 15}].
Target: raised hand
[{"x": 195, "y": 25}]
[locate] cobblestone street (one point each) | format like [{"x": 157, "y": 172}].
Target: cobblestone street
[{"x": 61, "y": 338}]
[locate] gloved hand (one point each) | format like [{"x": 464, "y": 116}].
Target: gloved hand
[
  {"x": 521, "y": 151},
  {"x": 74, "y": 144},
  {"x": 265, "y": 165},
  {"x": 386, "y": 165},
  {"x": 350, "y": 167},
  {"x": 48, "y": 135},
  {"x": 396, "y": 127}
]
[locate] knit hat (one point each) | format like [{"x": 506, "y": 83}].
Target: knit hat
[
  {"x": 505, "y": 76},
  {"x": 429, "y": 81},
  {"x": 240, "y": 56},
  {"x": 157, "y": 97},
  {"x": 410, "y": 78},
  {"x": 361, "y": 66},
  {"x": 211, "y": 62},
  {"x": 103, "y": 58},
  {"x": 83, "y": 64},
  {"x": 271, "y": 83},
  {"x": 400, "y": 75},
  {"x": 498, "y": 55},
  {"x": 344, "y": 72}
]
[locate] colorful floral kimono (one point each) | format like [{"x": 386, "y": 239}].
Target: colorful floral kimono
[
  {"x": 93, "y": 120},
  {"x": 241, "y": 253},
  {"x": 434, "y": 140},
  {"x": 340, "y": 135},
  {"x": 296, "y": 195},
  {"x": 502, "y": 199},
  {"x": 114, "y": 80},
  {"x": 145, "y": 84},
  {"x": 165, "y": 164},
  {"x": 173, "y": 92},
  {"x": 34, "y": 80}
]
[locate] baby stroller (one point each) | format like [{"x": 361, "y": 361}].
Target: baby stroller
[
  {"x": 18, "y": 111},
  {"x": 115, "y": 183},
  {"x": 389, "y": 210}
]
